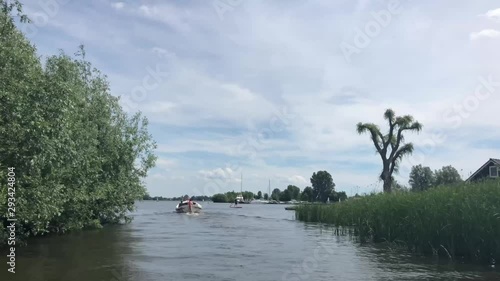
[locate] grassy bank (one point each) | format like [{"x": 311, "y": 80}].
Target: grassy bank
[{"x": 458, "y": 221}]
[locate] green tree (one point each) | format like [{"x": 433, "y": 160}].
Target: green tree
[
  {"x": 307, "y": 194},
  {"x": 286, "y": 195},
  {"x": 146, "y": 197},
  {"x": 275, "y": 195},
  {"x": 342, "y": 195},
  {"x": 248, "y": 195},
  {"x": 322, "y": 185},
  {"x": 266, "y": 196},
  {"x": 391, "y": 147},
  {"x": 421, "y": 178},
  {"x": 294, "y": 192},
  {"x": 231, "y": 196},
  {"x": 219, "y": 198},
  {"x": 79, "y": 158},
  {"x": 336, "y": 196},
  {"x": 259, "y": 195},
  {"x": 447, "y": 175}
]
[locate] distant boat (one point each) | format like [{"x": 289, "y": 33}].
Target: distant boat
[
  {"x": 260, "y": 201},
  {"x": 270, "y": 200},
  {"x": 183, "y": 207},
  {"x": 239, "y": 198}
]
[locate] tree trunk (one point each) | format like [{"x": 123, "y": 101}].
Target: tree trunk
[
  {"x": 387, "y": 179},
  {"x": 387, "y": 185}
]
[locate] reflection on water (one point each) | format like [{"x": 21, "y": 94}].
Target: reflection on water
[{"x": 256, "y": 242}]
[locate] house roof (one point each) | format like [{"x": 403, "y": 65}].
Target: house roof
[{"x": 492, "y": 160}]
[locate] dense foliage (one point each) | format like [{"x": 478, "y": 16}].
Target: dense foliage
[
  {"x": 423, "y": 178},
  {"x": 458, "y": 221},
  {"x": 220, "y": 198},
  {"x": 230, "y": 196},
  {"x": 79, "y": 159},
  {"x": 322, "y": 185}
]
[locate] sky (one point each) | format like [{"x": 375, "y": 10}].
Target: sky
[{"x": 271, "y": 91}]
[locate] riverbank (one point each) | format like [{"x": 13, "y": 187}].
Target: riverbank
[{"x": 456, "y": 221}]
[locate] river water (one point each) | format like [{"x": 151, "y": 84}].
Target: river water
[{"x": 256, "y": 242}]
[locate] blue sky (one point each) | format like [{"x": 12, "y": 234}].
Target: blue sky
[{"x": 274, "y": 89}]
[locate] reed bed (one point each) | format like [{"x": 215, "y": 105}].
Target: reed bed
[{"x": 460, "y": 221}]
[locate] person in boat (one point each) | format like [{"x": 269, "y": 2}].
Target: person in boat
[
  {"x": 190, "y": 204},
  {"x": 235, "y": 202}
]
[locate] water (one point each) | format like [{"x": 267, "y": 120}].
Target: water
[{"x": 256, "y": 242}]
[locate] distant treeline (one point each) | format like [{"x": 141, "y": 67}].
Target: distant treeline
[
  {"x": 161, "y": 198},
  {"x": 79, "y": 159},
  {"x": 322, "y": 190}
]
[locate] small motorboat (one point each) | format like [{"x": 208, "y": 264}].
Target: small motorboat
[{"x": 183, "y": 207}]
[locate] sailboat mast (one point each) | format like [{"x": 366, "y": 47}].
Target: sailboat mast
[{"x": 241, "y": 184}]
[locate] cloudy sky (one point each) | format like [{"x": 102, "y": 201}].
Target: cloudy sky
[{"x": 273, "y": 89}]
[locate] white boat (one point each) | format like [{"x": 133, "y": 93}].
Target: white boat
[
  {"x": 260, "y": 201},
  {"x": 239, "y": 198},
  {"x": 183, "y": 207}
]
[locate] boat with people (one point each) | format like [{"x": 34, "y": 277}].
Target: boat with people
[{"x": 188, "y": 206}]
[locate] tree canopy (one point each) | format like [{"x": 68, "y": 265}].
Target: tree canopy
[
  {"x": 259, "y": 195},
  {"x": 79, "y": 158},
  {"x": 421, "y": 178},
  {"x": 275, "y": 194},
  {"x": 294, "y": 192},
  {"x": 322, "y": 185},
  {"x": 447, "y": 175},
  {"x": 307, "y": 194}
]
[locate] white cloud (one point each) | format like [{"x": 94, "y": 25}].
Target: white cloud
[
  {"x": 486, "y": 33},
  {"x": 118, "y": 5},
  {"x": 298, "y": 180},
  {"x": 225, "y": 174},
  {"x": 493, "y": 14},
  {"x": 165, "y": 164},
  {"x": 168, "y": 14}
]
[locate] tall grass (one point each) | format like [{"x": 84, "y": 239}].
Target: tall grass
[{"x": 455, "y": 221}]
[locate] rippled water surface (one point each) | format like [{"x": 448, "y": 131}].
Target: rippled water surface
[{"x": 256, "y": 242}]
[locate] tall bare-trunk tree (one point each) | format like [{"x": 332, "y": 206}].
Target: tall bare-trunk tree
[{"x": 391, "y": 147}]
